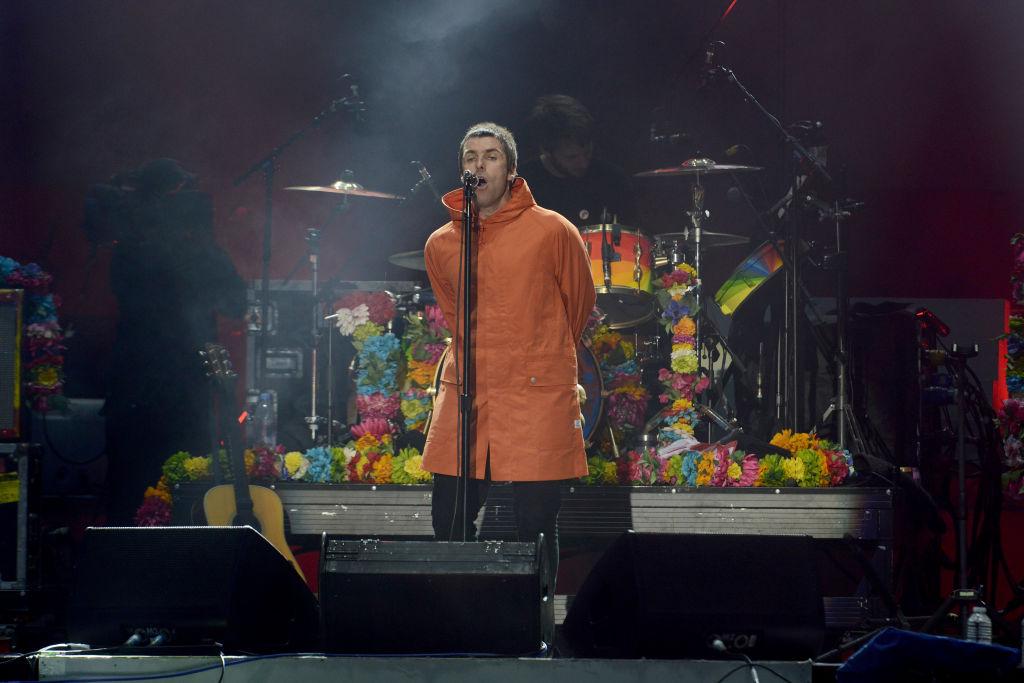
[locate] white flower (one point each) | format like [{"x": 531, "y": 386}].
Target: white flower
[{"x": 350, "y": 318}]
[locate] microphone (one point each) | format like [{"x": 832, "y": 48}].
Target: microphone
[
  {"x": 425, "y": 179},
  {"x": 709, "y": 72},
  {"x": 352, "y": 102},
  {"x": 469, "y": 180}
]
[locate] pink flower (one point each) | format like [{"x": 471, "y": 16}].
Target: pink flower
[
  {"x": 750, "y": 467},
  {"x": 154, "y": 511},
  {"x": 375, "y": 426},
  {"x": 377, "y": 405},
  {"x": 435, "y": 320}
]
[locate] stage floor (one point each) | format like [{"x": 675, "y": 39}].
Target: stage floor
[{"x": 335, "y": 669}]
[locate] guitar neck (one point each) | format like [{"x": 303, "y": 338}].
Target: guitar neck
[{"x": 219, "y": 367}]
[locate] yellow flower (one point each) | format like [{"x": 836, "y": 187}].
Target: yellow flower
[
  {"x": 793, "y": 442},
  {"x": 681, "y": 404},
  {"x": 793, "y": 468},
  {"x": 734, "y": 471},
  {"x": 250, "y": 459},
  {"x": 382, "y": 470},
  {"x": 684, "y": 363},
  {"x": 682, "y": 426},
  {"x": 197, "y": 468},
  {"x": 631, "y": 389},
  {"x": 420, "y": 373},
  {"x": 609, "y": 473},
  {"x": 295, "y": 463},
  {"x": 367, "y": 442},
  {"x": 157, "y": 492},
  {"x": 47, "y": 376},
  {"x": 705, "y": 467},
  {"x": 414, "y": 468},
  {"x": 361, "y": 465},
  {"x": 685, "y": 326}
]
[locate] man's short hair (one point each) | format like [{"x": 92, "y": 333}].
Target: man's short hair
[
  {"x": 558, "y": 118},
  {"x": 487, "y": 129}
]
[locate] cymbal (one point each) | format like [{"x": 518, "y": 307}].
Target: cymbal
[
  {"x": 708, "y": 238},
  {"x": 698, "y": 167},
  {"x": 409, "y": 259},
  {"x": 342, "y": 187}
]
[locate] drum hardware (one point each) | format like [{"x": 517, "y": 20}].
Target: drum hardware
[
  {"x": 689, "y": 244},
  {"x": 671, "y": 248},
  {"x": 413, "y": 260},
  {"x": 697, "y": 167},
  {"x": 346, "y": 188},
  {"x": 788, "y": 247}
]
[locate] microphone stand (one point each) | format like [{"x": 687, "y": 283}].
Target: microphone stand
[
  {"x": 268, "y": 166},
  {"x": 469, "y": 182}
]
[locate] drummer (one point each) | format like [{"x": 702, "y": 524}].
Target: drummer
[{"x": 567, "y": 177}]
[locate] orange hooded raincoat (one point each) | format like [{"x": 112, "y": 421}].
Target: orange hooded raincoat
[{"x": 534, "y": 294}]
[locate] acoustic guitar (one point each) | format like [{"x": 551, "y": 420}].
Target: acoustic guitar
[{"x": 240, "y": 503}]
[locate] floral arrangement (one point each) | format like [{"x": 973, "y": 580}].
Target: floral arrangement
[
  {"x": 812, "y": 462},
  {"x": 43, "y": 337},
  {"x": 1011, "y": 414},
  {"x": 365, "y": 317},
  {"x": 676, "y": 293},
  {"x": 368, "y": 459},
  {"x": 424, "y": 341},
  {"x": 624, "y": 392}
]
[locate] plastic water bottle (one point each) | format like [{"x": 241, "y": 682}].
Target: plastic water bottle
[
  {"x": 266, "y": 419},
  {"x": 979, "y": 626}
]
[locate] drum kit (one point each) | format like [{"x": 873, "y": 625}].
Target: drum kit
[{"x": 624, "y": 262}]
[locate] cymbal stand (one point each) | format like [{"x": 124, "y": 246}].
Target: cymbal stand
[
  {"x": 313, "y": 421},
  {"x": 796, "y": 299},
  {"x": 698, "y": 214},
  {"x": 845, "y": 419}
]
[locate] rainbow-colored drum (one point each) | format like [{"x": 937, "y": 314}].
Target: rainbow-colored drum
[
  {"x": 753, "y": 272},
  {"x": 624, "y": 293}
]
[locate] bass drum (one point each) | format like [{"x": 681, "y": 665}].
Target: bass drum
[{"x": 589, "y": 376}]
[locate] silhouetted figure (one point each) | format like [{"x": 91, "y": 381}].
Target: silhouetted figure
[{"x": 170, "y": 279}]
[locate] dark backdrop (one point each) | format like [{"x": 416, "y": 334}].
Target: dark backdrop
[{"x": 920, "y": 101}]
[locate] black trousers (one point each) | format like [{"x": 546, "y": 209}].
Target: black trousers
[{"x": 536, "y": 506}]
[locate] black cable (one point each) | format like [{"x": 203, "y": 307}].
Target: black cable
[{"x": 731, "y": 672}]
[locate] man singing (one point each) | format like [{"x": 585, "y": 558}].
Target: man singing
[{"x": 532, "y": 295}]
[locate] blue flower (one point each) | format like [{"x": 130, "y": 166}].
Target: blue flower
[
  {"x": 320, "y": 460},
  {"x": 7, "y": 266},
  {"x": 675, "y": 310},
  {"x": 689, "y": 467}
]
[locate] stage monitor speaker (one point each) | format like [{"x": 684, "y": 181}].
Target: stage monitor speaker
[
  {"x": 669, "y": 596},
  {"x": 427, "y": 597},
  {"x": 199, "y": 585}
]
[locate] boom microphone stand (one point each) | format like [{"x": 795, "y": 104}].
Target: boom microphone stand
[
  {"x": 797, "y": 298},
  {"x": 268, "y": 166}
]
